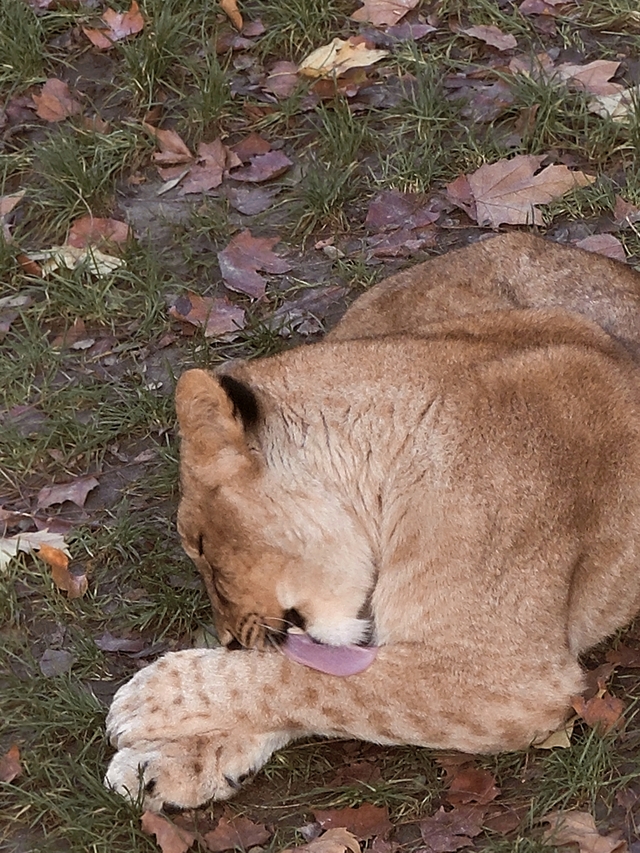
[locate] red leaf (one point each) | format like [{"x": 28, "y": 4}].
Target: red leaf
[
  {"x": 242, "y": 258},
  {"x": 237, "y": 832}
]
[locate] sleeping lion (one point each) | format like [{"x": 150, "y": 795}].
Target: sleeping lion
[{"x": 409, "y": 532}]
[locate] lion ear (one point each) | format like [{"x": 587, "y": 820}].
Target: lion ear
[{"x": 213, "y": 413}]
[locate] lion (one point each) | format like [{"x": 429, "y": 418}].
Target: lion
[{"x": 410, "y": 531}]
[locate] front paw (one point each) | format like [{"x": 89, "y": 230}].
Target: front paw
[
  {"x": 189, "y": 771},
  {"x": 169, "y": 699}
]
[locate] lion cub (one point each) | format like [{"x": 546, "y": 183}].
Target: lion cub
[{"x": 448, "y": 485}]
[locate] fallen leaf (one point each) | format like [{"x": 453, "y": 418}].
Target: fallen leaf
[
  {"x": 94, "y": 231},
  {"x": 243, "y": 257},
  {"x": 97, "y": 263},
  {"x": 445, "y": 832},
  {"x": 230, "y": 8},
  {"x": 392, "y": 209},
  {"x": 616, "y": 107},
  {"x": 560, "y": 739},
  {"x": 216, "y": 316},
  {"x": 27, "y": 542},
  {"x": 251, "y": 146},
  {"x": 118, "y": 26},
  {"x": 213, "y": 161},
  {"x": 593, "y": 77},
  {"x": 574, "y": 827},
  {"x": 338, "y": 56},
  {"x": 492, "y": 36},
  {"x": 624, "y": 656},
  {"x": 509, "y": 190},
  {"x": 8, "y": 202},
  {"x": 282, "y": 80},
  {"x": 263, "y": 167},
  {"x": 172, "y": 148},
  {"x": 379, "y": 12},
  {"x": 604, "y": 244},
  {"x": 543, "y": 7},
  {"x": 170, "y": 838},
  {"x": 251, "y": 200},
  {"x": 236, "y": 832},
  {"x": 602, "y": 712},
  {"x": 75, "y": 491},
  {"x": 401, "y": 243},
  {"x": 410, "y": 31},
  {"x": 58, "y": 562},
  {"x": 54, "y": 103},
  {"x": 106, "y": 642},
  {"x": 624, "y": 212},
  {"x": 364, "y": 822},
  {"x": 307, "y": 314},
  {"x": 332, "y": 841},
  {"x": 472, "y": 785},
  {"x": 459, "y": 193},
  {"x": 10, "y": 764},
  {"x": 55, "y": 662},
  {"x": 73, "y": 335}
]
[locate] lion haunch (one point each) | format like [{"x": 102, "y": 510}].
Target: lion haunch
[{"x": 452, "y": 476}]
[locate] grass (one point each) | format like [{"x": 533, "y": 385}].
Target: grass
[{"x": 97, "y": 410}]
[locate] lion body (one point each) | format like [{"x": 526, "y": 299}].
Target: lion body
[{"x": 453, "y": 475}]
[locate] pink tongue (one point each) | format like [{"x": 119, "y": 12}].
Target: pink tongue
[{"x": 334, "y": 660}]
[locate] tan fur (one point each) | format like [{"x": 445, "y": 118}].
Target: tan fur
[{"x": 455, "y": 471}]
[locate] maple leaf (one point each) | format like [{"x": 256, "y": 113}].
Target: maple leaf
[
  {"x": 10, "y": 766},
  {"x": 170, "y": 838},
  {"x": 337, "y": 840},
  {"x": 213, "y": 161},
  {"x": 574, "y": 827},
  {"x": 338, "y": 56},
  {"x": 492, "y": 36},
  {"x": 75, "y": 491},
  {"x": 379, "y": 12},
  {"x": 364, "y": 822},
  {"x": 216, "y": 316},
  {"x": 118, "y": 26},
  {"x": 54, "y": 103},
  {"x": 236, "y": 832},
  {"x": 243, "y": 257},
  {"x": 509, "y": 190}
]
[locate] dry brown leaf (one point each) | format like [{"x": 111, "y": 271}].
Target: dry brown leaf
[
  {"x": 338, "y": 56},
  {"x": 491, "y": 35},
  {"x": 604, "y": 244},
  {"x": 172, "y": 149},
  {"x": 96, "y": 262},
  {"x": 10, "y": 766},
  {"x": 593, "y": 77},
  {"x": 94, "y": 231},
  {"x": 574, "y": 827},
  {"x": 472, "y": 785},
  {"x": 283, "y": 79},
  {"x": 28, "y": 542},
  {"x": 54, "y": 103},
  {"x": 364, "y": 822},
  {"x": 212, "y": 164},
  {"x": 230, "y": 8},
  {"x": 8, "y": 202},
  {"x": 444, "y": 831},
  {"x": 243, "y": 257},
  {"x": 170, "y": 838},
  {"x": 75, "y": 491},
  {"x": 118, "y": 26},
  {"x": 602, "y": 712},
  {"x": 264, "y": 167},
  {"x": 509, "y": 190},
  {"x": 616, "y": 107},
  {"x": 380, "y": 12},
  {"x": 332, "y": 841},
  {"x": 560, "y": 739},
  {"x": 217, "y": 316},
  {"x": 236, "y": 832}
]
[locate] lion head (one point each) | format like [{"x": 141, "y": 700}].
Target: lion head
[{"x": 269, "y": 535}]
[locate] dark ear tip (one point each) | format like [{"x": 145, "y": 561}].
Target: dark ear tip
[{"x": 245, "y": 402}]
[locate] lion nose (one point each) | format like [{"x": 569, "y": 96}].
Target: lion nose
[{"x": 294, "y": 619}]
